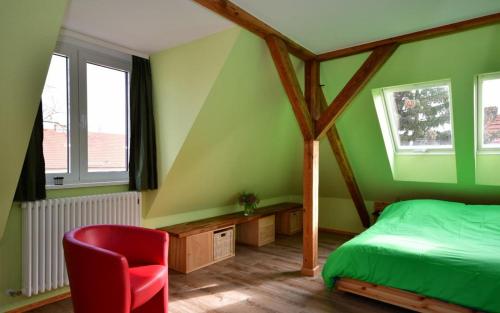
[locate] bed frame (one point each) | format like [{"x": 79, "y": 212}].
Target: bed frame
[{"x": 398, "y": 297}]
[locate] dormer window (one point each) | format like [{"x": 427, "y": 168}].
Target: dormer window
[
  {"x": 420, "y": 116},
  {"x": 488, "y": 93}
]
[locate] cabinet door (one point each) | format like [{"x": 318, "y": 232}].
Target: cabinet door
[
  {"x": 266, "y": 230},
  {"x": 199, "y": 251},
  {"x": 295, "y": 221},
  {"x": 248, "y": 233}
]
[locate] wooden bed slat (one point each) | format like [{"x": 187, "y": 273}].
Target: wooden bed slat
[{"x": 401, "y": 298}]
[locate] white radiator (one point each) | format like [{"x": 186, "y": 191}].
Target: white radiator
[{"x": 46, "y": 221}]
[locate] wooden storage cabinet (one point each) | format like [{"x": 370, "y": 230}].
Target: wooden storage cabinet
[
  {"x": 258, "y": 232},
  {"x": 198, "y": 251},
  {"x": 196, "y": 244},
  {"x": 190, "y": 253},
  {"x": 289, "y": 222}
]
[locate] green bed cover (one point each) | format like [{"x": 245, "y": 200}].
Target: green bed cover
[{"x": 445, "y": 250}]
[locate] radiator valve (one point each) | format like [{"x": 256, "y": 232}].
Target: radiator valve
[{"x": 13, "y": 293}]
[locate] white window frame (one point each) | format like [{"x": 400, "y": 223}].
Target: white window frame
[
  {"x": 71, "y": 177},
  {"x": 78, "y": 57},
  {"x": 389, "y": 105},
  {"x": 491, "y": 149}
]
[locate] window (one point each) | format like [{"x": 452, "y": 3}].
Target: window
[
  {"x": 85, "y": 113},
  {"x": 420, "y": 116},
  {"x": 106, "y": 141},
  {"x": 488, "y": 93},
  {"x": 416, "y": 125},
  {"x": 55, "y": 116}
]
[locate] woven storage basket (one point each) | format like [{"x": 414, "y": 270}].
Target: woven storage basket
[{"x": 223, "y": 243}]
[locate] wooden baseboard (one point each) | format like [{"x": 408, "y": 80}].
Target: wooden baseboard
[
  {"x": 38, "y": 304},
  {"x": 398, "y": 297},
  {"x": 337, "y": 231}
]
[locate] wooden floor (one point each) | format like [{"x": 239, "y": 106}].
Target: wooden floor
[{"x": 265, "y": 279}]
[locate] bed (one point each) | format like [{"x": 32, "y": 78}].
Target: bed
[{"x": 427, "y": 248}]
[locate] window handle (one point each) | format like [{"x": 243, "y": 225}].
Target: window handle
[{"x": 83, "y": 121}]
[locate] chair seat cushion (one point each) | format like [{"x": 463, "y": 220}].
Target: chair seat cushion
[{"x": 145, "y": 282}]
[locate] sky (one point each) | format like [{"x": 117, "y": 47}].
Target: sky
[
  {"x": 491, "y": 93},
  {"x": 106, "y": 96}
]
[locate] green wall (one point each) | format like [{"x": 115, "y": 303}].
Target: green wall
[
  {"x": 182, "y": 80},
  {"x": 241, "y": 131},
  {"x": 28, "y": 33},
  {"x": 458, "y": 57},
  {"x": 486, "y": 163},
  {"x": 340, "y": 214}
]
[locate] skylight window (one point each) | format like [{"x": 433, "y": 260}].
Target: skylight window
[
  {"x": 416, "y": 126},
  {"x": 420, "y": 116},
  {"x": 488, "y": 111}
]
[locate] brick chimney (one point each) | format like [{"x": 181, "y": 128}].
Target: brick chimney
[{"x": 490, "y": 114}]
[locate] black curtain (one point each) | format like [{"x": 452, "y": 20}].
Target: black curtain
[
  {"x": 31, "y": 185},
  {"x": 142, "y": 165}
]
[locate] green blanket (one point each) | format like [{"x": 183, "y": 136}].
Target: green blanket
[{"x": 445, "y": 250}]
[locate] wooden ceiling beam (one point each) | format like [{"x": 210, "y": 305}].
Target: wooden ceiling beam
[
  {"x": 420, "y": 35},
  {"x": 279, "y": 53},
  {"x": 345, "y": 167},
  {"x": 244, "y": 19},
  {"x": 376, "y": 59},
  {"x": 311, "y": 86}
]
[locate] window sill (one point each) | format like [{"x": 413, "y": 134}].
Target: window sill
[
  {"x": 488, "y": 152},
  {"x": 86, "y": 185},
  {"x": 434, "y": 152}
]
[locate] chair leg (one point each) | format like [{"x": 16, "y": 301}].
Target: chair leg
[{"x": 157, "y": 304}]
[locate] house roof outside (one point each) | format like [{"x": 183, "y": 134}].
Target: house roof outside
[
  {"x": 106, "y": 152},
  {"x": 492, "y": 129}
]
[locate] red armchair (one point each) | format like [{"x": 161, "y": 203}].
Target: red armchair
[{"x": 117, "y": 269}]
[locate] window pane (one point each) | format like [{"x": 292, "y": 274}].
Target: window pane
[
  {"x": 421, "y": 116},
  {"x": 55, "y": 116},
  {"x": 490, "y": 102},
  {"x": 106, "y": 119}
]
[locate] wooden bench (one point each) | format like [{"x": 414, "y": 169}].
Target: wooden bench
[{"x": 192, "y": 244}]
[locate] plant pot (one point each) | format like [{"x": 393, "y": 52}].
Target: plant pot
[{"x": 248, "y": 211}]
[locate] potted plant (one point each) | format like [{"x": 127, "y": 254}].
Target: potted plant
[{"x": 249, "y": 202}]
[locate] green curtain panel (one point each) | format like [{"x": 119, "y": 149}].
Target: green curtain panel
[
  {"x": 143, "y": 174},
  {"x": 31, "y": 185}
]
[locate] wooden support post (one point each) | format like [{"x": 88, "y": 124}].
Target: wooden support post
[
  {"x": 311, "y": 86},
  {"x": 345, "y": 166},
  {"x": 310, "y": 265},
  {"x": 352, "y": 88},
  {"x": 302, "y": 110},
  {"x": 290, "y": 83}
]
